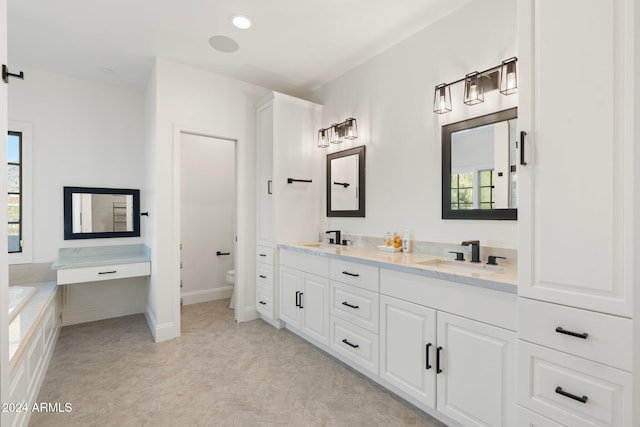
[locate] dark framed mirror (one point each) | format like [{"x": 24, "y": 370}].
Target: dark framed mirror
[
  {"x": 346, "y": 183},
  {"x": 479, "y": 167},
  {"x": 98, "y": 213}
]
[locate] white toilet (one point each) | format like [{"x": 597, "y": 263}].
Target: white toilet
[{"x": 231, "y": 278}]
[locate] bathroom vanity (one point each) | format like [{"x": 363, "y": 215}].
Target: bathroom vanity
[
  {"x": 84, "y": 271},
  {"x": 438, "y": 333}
]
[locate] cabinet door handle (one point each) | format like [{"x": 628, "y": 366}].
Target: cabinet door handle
[
  {"x": 297, "y": 298},
  {"x": 427, "y": 364},
  {"x": 522, "y": 135},
  {"x": 263, "y": 303},
  {"x": 583, "y": 335},
  {"x": 351, "y": 274},
  {"x": 269, "y": 187},
  {"x": 349, "y": 344},
  {"x": 262, "y": 276},
  {"x": 262, "y": 254},
  {"x": 219, "y": 253},
  {"x": 301, "y": 306},
  {"x": 582, "y": 399},
  {"x": 438, "y": 370},
  {"x": 107, "y": 272},
  {"x": 355, "y": 307}
]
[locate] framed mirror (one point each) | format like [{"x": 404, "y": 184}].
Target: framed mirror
[
  {"x": 346, "y": 183},
  {"x": 97, "y": 213},
  {"x": 479, "y": 167}
]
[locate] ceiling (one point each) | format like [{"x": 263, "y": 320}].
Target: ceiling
[{"x": 294, "y": 46}]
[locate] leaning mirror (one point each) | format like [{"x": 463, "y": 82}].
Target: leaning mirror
[
  {"x": 346, "y": 183},
  {"x": 93, "y": 213},
  {"x": 479, "y": 167}
]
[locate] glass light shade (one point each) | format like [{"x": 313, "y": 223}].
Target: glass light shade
[
  {"x": 509, "y": 76},
  {"x": 351, "y": 128},
  {"x": 336, "y": 134},
  {"x": 442, "y": 99},
  {"x": 473, "y": 90},
  {"x": 323, "y": 138}
]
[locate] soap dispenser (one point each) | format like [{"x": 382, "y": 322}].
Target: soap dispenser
[{"x": 406, "y": 241}]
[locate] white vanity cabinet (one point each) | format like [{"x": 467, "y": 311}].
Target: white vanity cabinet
[
  {"x": 304, "y": 294},
  {"x": 461, "y": 367},
  {"x": 286, "y": 211},
  {"x": 575, "y": 212}
]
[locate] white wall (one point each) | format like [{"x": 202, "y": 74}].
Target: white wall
[
  {"x": 84, "y": 134},
  {"x": 391, "y": 96},
  {"x": 195, "y": 100}
]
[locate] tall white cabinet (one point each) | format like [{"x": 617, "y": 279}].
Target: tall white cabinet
[
  {"x": 286, "y": 211},
  {"x": 575, "y": 213}
]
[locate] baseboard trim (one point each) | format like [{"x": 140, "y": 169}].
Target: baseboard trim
[
  {"x": 160, "y": 332},
  {"x": 196, "y": 297},
  {"x": 83, "y": 316},
  {"x": 248, "y": 314}
]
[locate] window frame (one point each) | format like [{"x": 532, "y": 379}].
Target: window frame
[{"x": 26, "y": 190}]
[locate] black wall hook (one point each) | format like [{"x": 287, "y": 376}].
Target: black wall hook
[{"x": 6, "y": 74}]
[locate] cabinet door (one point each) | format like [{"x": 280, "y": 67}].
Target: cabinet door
[
  {"x": 315, "y": 307},
  {"x": 476, "y": 386},
  {"x": 265, "y": 175},
  {"x": 408, "y": 348},
  {"x": 574, "y": 194},
  {"x": 290, "y": 287}
]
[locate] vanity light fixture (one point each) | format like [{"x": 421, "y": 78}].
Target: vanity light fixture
[
  {"x": 503, "y": 77},
  {"x": 338, "y": 132},
  {"x": 442, "y": 99},
  {"x": 509, "y": 76},
  {"x": 323, "y": 138},
  {"x": 473, "y": 89}
]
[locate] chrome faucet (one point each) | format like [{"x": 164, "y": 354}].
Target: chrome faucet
[
  {"x": 475, "y": 249},
  {"x": 337, "y": 239}
]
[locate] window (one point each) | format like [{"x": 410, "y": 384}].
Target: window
[
  {"x": 19, "y": 192},
  {"x": 486, "y": 189},
  {"x": 462, "y": 191},
  {"x": 14, "y": 187}
]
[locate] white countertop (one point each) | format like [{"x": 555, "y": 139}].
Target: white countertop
[
  {"x": 101, "y": 255},
  {"x": 502, "y": 277}
]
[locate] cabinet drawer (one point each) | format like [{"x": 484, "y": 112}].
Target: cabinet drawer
[
  {"x": 552, "y": 383},
  {"x": 353, "y": 273},
  {"x": 526, "y": 418},
  {"x": 264, "y": 274},
  {"x": 264, "y": 301},
  {"x": 356, "y": 305},
  {"x": 313, "y": 264},
  {"x": 50, "y": 324},
  {"x": 104, "y": 272},
  {"x": 608, "y": 338},
  {"x": 264, "y": 254},
  {"x": 355, "y": 344}
]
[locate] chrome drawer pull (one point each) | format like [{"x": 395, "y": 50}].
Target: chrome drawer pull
[
  {"x": 582, "y": 399},
  {"x": 349, "y": 344},
  {"x": 583, "y": 335},
  {"x": 350, "y": 306},
  {"x": 351, "y": 274},
  {"x": 107, "y": 272}
]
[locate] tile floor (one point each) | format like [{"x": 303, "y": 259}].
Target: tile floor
[{"x": 218, "y": 373}]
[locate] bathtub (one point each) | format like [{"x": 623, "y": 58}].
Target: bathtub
[{"x": 18, "y": 297}]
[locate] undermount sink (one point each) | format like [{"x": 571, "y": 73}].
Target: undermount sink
[
  {"x": 320, "y": 245},
  {"x": 465, "y": 266}
]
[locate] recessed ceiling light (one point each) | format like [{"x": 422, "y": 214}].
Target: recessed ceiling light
[
  {"x": 241, "y": 21},
  {"x": 224, "y": 44}
]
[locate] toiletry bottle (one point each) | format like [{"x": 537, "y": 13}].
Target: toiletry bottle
[{"x": 406, "y": 241}]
